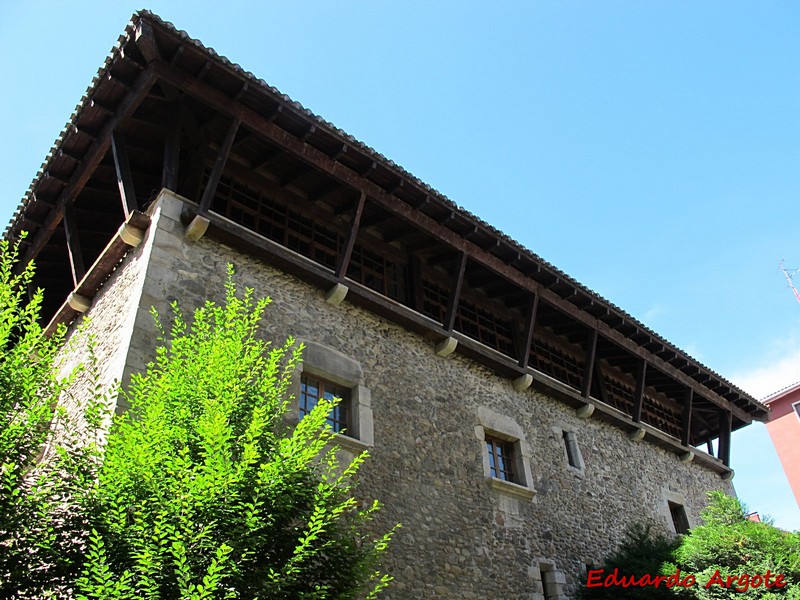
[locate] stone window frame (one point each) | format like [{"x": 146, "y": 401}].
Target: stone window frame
[
  {"x": 549, "y": 582},
  {"x": 672, "y": 499},
  {"x": 796, "y": 408},
  {"x": 494, "y": 425},
  {"x": 329, "y": 364}
]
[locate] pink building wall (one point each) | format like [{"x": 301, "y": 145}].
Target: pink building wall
[{"x": 784, "y": 429}]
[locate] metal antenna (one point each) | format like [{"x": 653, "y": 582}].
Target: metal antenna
[{"x": 789, "y": 279}]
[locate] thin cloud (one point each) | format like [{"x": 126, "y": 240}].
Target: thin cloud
[
  {"x": 652, "y": 313},
  {"x": 762, "y": 381}
]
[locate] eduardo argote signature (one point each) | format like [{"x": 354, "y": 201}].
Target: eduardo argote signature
[{"x": 739, "y": 583}]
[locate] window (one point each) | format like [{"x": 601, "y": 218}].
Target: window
[
  {"x": 573, "y": 453},
  {"x": 501, "y": 461},
  {"x": 796, "y": 407},
  {"x": 328, "y": 373},
  {"x": 505, "y": 455},
  {"x": 314, "y": 388},
  {"x": 679, "y": 520}
]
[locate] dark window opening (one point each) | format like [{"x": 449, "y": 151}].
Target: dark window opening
[
  {"x": 547, "y": 574},
  {"x": 679, "y": 520},
  {"x": 571, "y": 444}
]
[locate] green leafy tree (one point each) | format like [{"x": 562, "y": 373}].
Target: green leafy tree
[
  {"x": 729, "y": 556},
  {"x": 206, "y": 491},
  {"x": 729, "y": 544},
  {"x": 641, "y": 553},
  {"x": 41, "y": 522}
]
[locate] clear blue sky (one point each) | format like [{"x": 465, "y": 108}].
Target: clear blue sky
[{"x": 648, "y": 149}]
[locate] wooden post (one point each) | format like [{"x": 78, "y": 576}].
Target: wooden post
[
  {"x": 641, "y": 375},
  {"x": 73, "y": 245},
  {"x": 344, "y": 259},
  {"x": 686, "y": 425},
  {"x": 219, "y": 166},
  {"x": 601, "y": 386},
  {"x": 172, "y": 149},
  {"x": 455, "y": 293},
  {"x": 124, "y": 177},
  {"x": 591, "y": 352},
  {"x": 525, "y": 354},
  {"x": 415, "y": 279},
  {"x": 724, "y": 449}
]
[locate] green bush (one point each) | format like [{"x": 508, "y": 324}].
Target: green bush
[
  {"x": 728, "y": 556},
  {"x": 202, "y": 490},
  {"x": 729, "y": 544},
  {"x": 206, "y": 492},
  {"x": 641, "y": 553},
  {"x": 45, "y": 467}
]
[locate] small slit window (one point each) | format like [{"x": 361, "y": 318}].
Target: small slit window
[{"x": 571, "y": 446}]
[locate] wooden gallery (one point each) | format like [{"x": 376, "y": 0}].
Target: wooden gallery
[{"x": 518, "y": 422}]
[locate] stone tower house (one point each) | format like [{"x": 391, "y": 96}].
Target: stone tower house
[{"x": 518, "y": 422}]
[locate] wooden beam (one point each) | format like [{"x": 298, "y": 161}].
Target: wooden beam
[
  {"x": 242, "y": 91},
  {"x": 724, "y": 446},
  {"x": 375, "y": 218},
  {"x": 686, "y": 420},
  {"x": 122, "y": 166},
  {"x": 146, "y": 41},
  {"x": 638, "y": 399},
  {"x": 172, "y": 149},
  {"x": 201, "y": 74},
  {"x": 295, "y": 174},
  {"x": 265, "y": 160},
  {"x": 600, "y": 382},
  {"x": 219, "y": 101},
  {"x": 73, "y": 246},
  {"x": 177, "y": 56},
  {"x": 91, "y": 282},
  {"x": 525, "y": 351},
  {"x": 93, "y": 156},
  {"x": 344, "y": 259},
  {"x": 588, "y": 366},
  {"x": 455, "y": 293},
  {"x": 364, "y": 172},
  {"x": 102, "y": 107},
  {"x": 219, "y": 166},
  {"x": 305, "y": 137}
]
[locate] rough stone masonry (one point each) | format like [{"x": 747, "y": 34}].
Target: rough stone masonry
[{"x": 424, "y": 419}]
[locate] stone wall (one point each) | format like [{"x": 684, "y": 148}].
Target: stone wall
[
  {"x": 461, "y": 537},
  {"x": 107, "y": 328}
]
